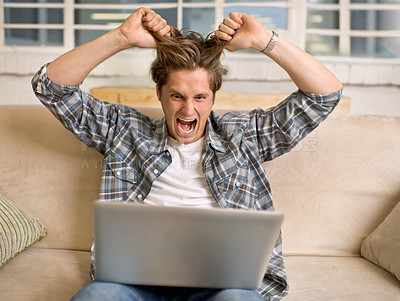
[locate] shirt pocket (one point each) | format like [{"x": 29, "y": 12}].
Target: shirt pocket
[
  {"x": 238, "y": 188},
  {"x": 121, "y": 170}
]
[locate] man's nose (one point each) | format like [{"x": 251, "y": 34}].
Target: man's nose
[{"x": 188, "y": 108}]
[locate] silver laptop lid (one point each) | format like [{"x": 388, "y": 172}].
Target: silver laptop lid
[{"x": 181, "y": 246}]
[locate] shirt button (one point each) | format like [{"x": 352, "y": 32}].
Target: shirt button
[
  {"x": 118, "y": 173},
  {"x": 155, "y": 171},
  {"x": 238, "y": 183},
  {"x": 140, "y": 196}
]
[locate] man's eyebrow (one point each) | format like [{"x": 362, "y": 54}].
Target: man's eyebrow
[
  {"x": 173, "y": 91},
  {"x": 202, "y": 95}
]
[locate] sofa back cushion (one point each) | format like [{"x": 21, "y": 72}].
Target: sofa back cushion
[
  {"x": 49, "y": 174},
  {"x": 338, "y": 184}
]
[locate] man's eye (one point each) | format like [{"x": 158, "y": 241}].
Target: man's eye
[{"x": 176, "y": 96}]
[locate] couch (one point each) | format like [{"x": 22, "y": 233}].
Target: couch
[{"x": 337, "y": 189}]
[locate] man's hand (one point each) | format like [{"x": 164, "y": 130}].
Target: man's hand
[
  {"x": 74, "y": 66},
  {"x": 137, "y": 28},
  {"x": 243, "y": 32}
]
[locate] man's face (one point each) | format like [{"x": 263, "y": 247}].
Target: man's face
[{"x": 187, "y": 101}]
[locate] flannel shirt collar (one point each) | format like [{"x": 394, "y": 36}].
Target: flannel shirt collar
[
  {"x": 159, "y": 142},
  {"x": 223, "y": 139},
  {"x": 213, "y": 139}
]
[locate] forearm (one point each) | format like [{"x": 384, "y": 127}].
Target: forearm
[
  {"x": 244, "y": 31},
  {"x": 74, "y": 66},
  {"x": 307, "y": 73}
]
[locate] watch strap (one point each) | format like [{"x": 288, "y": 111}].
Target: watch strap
[{"x": 271, "y": 43}]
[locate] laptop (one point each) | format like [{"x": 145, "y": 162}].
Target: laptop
[{"x": 183, "y": 246}]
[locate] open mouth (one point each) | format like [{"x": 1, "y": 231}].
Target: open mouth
[{"x": 186, "y": 126}]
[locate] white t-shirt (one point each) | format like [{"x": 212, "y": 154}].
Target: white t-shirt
[{"x": 183, "y": 182}]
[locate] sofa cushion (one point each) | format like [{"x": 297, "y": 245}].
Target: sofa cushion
[
  {"x": 18, "y": 230},
  {"x": 382, "y": 246},
  {"x": 337, "y": 185},
  {"x": 44, "y": 274},
  {"x": 331, "y": 278},
  {"x": 49, "y": 173}
]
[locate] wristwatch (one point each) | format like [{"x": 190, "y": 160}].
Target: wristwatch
[{"x": 271, "y": 43}]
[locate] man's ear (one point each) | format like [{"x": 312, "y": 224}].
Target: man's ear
[{"x": 158, "y": 93}]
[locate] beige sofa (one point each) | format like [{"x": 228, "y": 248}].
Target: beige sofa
[{"x": 334, "y": 188}]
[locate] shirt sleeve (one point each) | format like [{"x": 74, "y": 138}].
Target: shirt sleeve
[
  {"x": 282, "y": 127},
  {"x": 89, "y": 119},
  {"x": 275, "y": 285}
]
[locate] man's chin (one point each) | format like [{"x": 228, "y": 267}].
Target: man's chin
[{"x": 186, "y": 139}]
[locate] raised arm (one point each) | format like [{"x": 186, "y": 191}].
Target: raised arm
[
  {"x": 74, "y": 66},
  {"x": 244, "y": 31}
]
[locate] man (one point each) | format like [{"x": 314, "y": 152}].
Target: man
[{"x": 145, "y": 158}]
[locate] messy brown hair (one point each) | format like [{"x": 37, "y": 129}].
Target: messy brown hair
[{"x": 188, "y": 52}]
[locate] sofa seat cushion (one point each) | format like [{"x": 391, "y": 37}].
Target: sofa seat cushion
[
  {"x": 44, "y": 274},
  {"x": 339, "y": 278}
]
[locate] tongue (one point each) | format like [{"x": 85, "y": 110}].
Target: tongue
[{"x": 186, "y": 125}]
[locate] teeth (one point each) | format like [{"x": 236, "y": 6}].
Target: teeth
[{"x": 187, "y": 120}]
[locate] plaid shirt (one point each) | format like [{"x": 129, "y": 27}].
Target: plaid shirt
[{"x": 236, "y": 144}]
